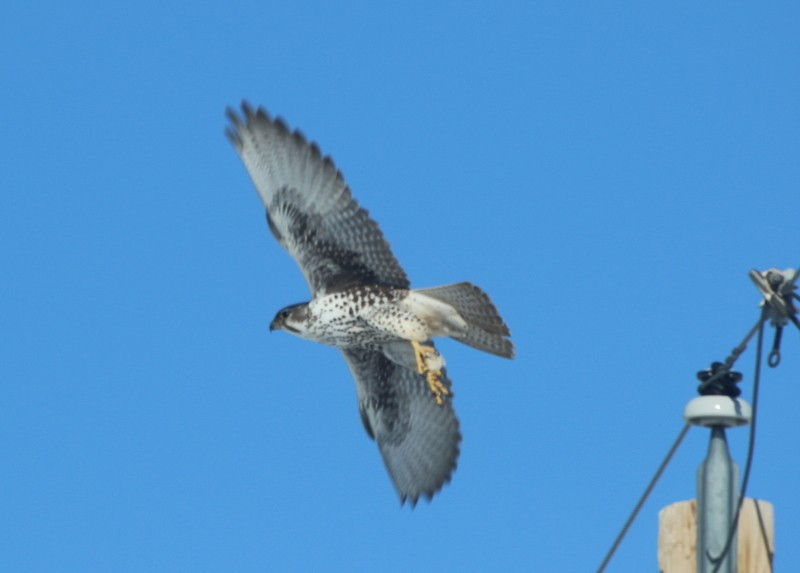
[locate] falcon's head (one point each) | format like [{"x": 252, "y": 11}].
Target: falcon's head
[{"x": 293, "y": 318}]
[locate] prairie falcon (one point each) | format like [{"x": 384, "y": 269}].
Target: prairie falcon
[{"x": 362, "y": 303}]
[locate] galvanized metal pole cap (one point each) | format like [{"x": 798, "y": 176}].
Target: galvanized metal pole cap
[{"x": 717, "y": 411}]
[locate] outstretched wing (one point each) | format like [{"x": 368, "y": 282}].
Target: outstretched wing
[
  {"x": 310, "y": 209},
  {"x": 418, "y": 439}
]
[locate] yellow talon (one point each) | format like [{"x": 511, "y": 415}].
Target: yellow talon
[
  {"x": 424, "y": 355},
  {"x": 438, "y": 389},
  {"x": 421, "y": 353}
]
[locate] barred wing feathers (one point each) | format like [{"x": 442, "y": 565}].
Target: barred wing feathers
[
  {"x": 310, "y": 209},
  {"x": 418, "y": 439}
]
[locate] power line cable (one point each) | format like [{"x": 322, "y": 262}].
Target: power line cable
[
  {"x": 764, "y": 537},
  {"x": 750, "y": 451},
  {"x": 644, "y": 497}
]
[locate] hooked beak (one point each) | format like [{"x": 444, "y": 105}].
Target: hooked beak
[{"x": 280, "y": 322}]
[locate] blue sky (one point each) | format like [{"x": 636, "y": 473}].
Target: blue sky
[{"x": 608, "y": 172}]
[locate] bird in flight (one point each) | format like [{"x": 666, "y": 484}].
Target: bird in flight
[{"x": 362, "y": 303}]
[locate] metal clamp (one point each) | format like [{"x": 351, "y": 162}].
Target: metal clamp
[{"x": 778, "y": 289}]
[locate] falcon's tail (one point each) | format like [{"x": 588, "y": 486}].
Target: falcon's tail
[{"x": 485, "y": 329}]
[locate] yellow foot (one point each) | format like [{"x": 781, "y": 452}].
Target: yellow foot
[
  {"x": 438, "y": 389},
  {"x": 427, "y": 358},
  {"x": 430, "y": 363}
]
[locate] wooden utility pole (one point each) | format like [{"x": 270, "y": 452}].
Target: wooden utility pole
[
  {"x": 677, "y": 537},
  {"x": 693, "y": 535}
]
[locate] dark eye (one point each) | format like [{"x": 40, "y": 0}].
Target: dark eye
[{"x": 285, "y": 314}]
